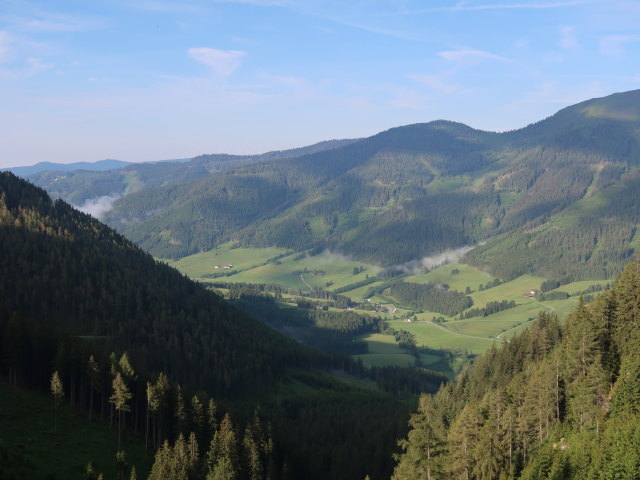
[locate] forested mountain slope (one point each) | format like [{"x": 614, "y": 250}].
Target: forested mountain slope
[
  {"x": 100, "y": 165},
  {"x": 554, "y": 403},
  {"x": 417, "y": 190},
  {"x": 72, "y": 291},
  {"x": 82, "y": 183},
  {"x": 65, "y": 269}
]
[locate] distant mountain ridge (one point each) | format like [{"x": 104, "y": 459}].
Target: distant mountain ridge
[
  {"x": 554, "y": 198},
  {"x": 78, "y": 185},
  {"x": 99, "y": 166}
]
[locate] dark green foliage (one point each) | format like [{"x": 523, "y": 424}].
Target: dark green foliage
[
  {"x": 547, "y": 405},
  {"x": 556, "y": 199},
  {"x": 434, "y": 297},
  {"x": 106, "y": 288},
  {"x": 490, "y": 308},
  {"x": 336, "y": 187},
  {"x": 80, "y": 185},
  {"x": 589, "y": 249},
  {"x": 108, "y": 294},
  {"x": 403, "y": 194},
  {"x": 549, "y": 285},
  {"x": 353, "y": 286},
  {"x": 328, "y": 330}
]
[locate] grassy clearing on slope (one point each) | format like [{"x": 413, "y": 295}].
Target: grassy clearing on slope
[
  {"x": 199, "y": 265},
  {"x": 492, "y": 325},
  {"x": 384, "y": 351},
  {"x": 358, "y": 294},
  {"x": 467, "y": 277},
  {"x": 513, "y": 290},
  {"x": 435, "y": 338},
  {"x": 26, "y": 426},
  {"x": 335, "y": 270}
]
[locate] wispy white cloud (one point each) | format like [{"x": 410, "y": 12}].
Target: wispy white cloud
[
  {"x": 520, "y": 43},
  {"x": 262, "y": 3},
  {"x": 612, "y": 46},
  {"x": 37, "y": 65},
  {"x": 407, "y": 99},
  {"x": 470, "y": 54},
  {"x": 568, "y": 37},
  {"x": 436, "y": 82},
  {"x": 360, "y": 103},
  {"x": 559, "y": 94},
  {"x": 166, "y": 6},
  {"x": 469, "y": 6},
  {"x": 221, "y": 62},
  {"x": 43, "y": 21},
  {"x": 5, "y": 40},
  {"x": 384, "y": 31}
]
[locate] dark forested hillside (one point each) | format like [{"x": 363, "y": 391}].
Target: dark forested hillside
[
  {"x": 554, "y": 403},
  {"x": 64, "y": 269},
  {"x": 532, "y": 195},
  {"x": 75, "y": 296},
  {"x": 331, "y": 198}
]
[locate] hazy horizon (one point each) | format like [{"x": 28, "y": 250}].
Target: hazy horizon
[{"x": 159, "y": 79}]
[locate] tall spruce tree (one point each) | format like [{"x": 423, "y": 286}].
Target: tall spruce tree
[
  {"x": 424, "y": 448},
  {"x": 57, "y": 390},
  {"x": 119, "y": 399}
]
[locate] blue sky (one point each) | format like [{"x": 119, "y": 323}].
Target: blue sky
[{"x": 153, "y": 79}]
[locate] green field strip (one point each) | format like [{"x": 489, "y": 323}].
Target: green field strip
[
  {"x": 468, "y": 276},
  {"x": 429, "y": 335},
  {"x": 513, "y": 290},
  {"x": 386, "y": 360},
  {"x": 200, "y": 265},
  {"x": 360, "y": 292},
  {"x": 576, "y": 287}
]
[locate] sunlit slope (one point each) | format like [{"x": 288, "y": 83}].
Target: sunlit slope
[{"x": 542, "y": 200}]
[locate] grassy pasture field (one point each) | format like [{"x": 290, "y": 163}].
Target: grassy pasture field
[
  {"x": 255, "y": 265},
  {"x": 467, "y": 277},
  {"x": 199, "y": 265},
  {"x": 513, "y": 290},
  {"x": 330, "y": 272},
  {"x": 384, "y": 350},
  {"x": 26, "y": 429},
  {"x": 431, "y": 336}
]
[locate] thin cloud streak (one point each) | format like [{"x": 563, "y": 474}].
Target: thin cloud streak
[
  {"x": 5, "y": 40},
  {"x": 457, "y": 55},
  {"x": 612, "y": 46},
  {"x": 222, "y": 62},
  {"x": 464, "y": 7},
  {"x": 568, "y": 38}
]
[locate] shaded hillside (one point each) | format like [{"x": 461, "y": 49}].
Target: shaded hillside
[
  {"x": 72, "y": 289},
  {"x": 77, "y": 183},
  {"x": 65, "y": 269},
  {"x": 554, "y": 403},
  {"x": 327, "y": 198}
]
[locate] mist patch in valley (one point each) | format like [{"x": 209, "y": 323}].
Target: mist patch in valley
[
  {"x": 98, "y": 207},
  {"x": 415, "y": 267}
]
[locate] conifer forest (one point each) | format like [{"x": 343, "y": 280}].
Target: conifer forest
[{"x": 430, "y": 302}]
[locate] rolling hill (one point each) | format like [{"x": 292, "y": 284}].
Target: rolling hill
[
  {"x": 80, "y": 182},
  {"x": 529, "y": 196},
  {"x": 541, "y": 200}
]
